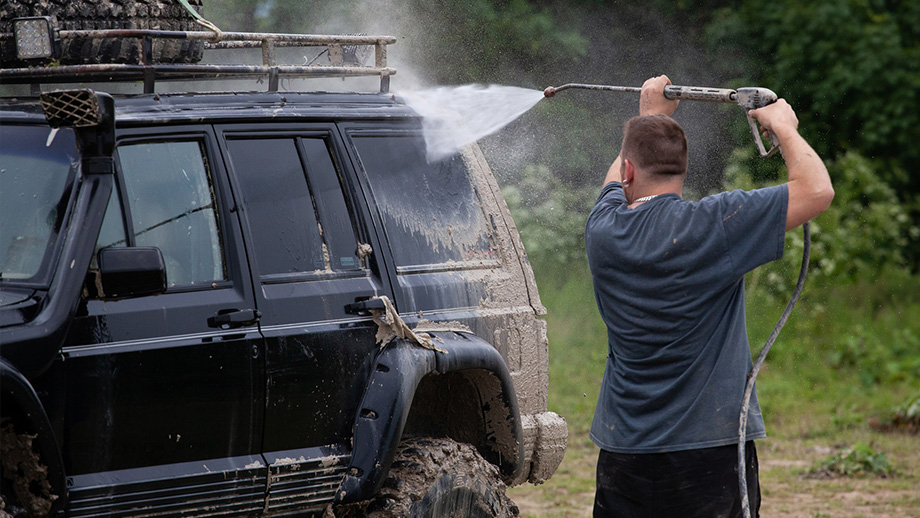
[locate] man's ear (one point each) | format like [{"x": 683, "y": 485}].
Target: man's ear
[{"x": 629, "y": 171}]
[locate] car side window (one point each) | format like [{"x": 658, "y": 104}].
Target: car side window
[
  {"x": 431, "y": 211},
  {"x": 170, "y": 204},
  {"x": 297, "y": 212}
]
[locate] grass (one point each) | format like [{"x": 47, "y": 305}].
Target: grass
[{"x": 847, "y": 356}]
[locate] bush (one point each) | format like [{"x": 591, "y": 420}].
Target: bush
[
  {"x": 550, "y": 216},
  {"x": 864, "y": 233},
  {"x": 858, "y": 460},
  {"x": 905, "y": 418},
  {"x": 878, "y": 359}
]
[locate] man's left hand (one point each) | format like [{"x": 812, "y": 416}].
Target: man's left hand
[{"x": 652, "y": 100}]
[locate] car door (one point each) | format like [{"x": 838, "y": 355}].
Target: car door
[
  {"x": 164, "y": 403},
  {"x": 440, "y": 239},
  {"x": 312, "y": 254}
]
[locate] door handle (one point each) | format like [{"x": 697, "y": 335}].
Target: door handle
[
  {"x": 234, "y": 318},
  {"x": 364, "y": 307}
]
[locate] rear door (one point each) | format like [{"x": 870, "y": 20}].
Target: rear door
[
  {"x": 440, "y": 238},
  {"x": 311, "y": 254}
]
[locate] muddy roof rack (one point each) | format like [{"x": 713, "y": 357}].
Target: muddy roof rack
[{"x": 346, "y": 54}]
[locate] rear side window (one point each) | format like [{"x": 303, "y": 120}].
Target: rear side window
[
  {"x": 297, "y": 213},
  {"x": 431, "y": 211},
  {"x": 170, "y": 201}
]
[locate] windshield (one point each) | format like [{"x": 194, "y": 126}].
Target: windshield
[{"x": 36, "y": 172}]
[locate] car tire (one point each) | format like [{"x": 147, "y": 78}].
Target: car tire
[
  {"x": 168, "y": 15},
  {"x": 430, "y": 478},
  {"x": 24, "y": 488}
]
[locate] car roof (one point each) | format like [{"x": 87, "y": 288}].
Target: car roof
[{"x": 216, "y": 107}]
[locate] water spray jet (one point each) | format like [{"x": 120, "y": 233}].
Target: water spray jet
[{"x": 454, "y": 116}]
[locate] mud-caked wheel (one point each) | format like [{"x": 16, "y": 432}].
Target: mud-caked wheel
[
  {"x": 24, "y": 487},
  {"x": 432, "y": 478}
]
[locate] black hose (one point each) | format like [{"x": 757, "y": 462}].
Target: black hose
[{"x": 749, "y": 387}]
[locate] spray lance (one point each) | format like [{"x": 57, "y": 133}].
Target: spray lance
[{"x": 749, "y": 98}]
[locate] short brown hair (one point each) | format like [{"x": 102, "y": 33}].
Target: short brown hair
[{"x": 656, "y": 144}]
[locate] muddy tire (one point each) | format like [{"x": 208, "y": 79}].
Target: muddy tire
[
  {"x": 433, "y": 478},
  {"x": 24, "y": 487},
  {"x": 167, "y": 15}
]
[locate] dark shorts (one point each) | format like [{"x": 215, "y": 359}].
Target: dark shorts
[{"x": 693, "y": 483}]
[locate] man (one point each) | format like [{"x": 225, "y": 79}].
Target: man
[{"x": 669, "y": 282}]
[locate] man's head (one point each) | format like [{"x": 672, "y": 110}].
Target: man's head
[{"x": 656, "y": 145}]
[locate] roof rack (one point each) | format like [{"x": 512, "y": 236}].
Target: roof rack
[{"x": 345, "y": 54}]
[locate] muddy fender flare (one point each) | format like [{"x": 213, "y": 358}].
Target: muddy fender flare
[
  {"x": 18, "y": 394},
  {"x": 384, "y": 409}
]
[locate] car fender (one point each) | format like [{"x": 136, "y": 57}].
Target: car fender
[{"x": 381, "y": 419}]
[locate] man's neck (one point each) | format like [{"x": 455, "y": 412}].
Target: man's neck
[{"x": 645, "y": 194}]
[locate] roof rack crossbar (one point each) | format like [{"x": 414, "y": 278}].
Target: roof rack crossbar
[
  {"x": 268, "y": 42},
  {"x": 305, "y": 40}
]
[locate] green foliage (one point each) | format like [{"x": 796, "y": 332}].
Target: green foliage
[
  {"x": 577, "y": 343},
  {"x": 865, "y": 333},
  {"x": 866, "y": 229},
  {"x": 905, "y": 418},
  {"x": 861, "y": 236},
  {"x": 910, "y": 411},
  {"x": 455, "y": 42},
  {"x": 550, "y": 217},
  {"x": 847, "y": 419},
  {"x": 483, "y": 41},
  {"x": 858, "y": 460},
  {"x": 878, "y": 357},
  {"x": 851, "y": 68}
]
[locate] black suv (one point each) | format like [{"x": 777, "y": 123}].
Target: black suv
[{"x": 255, "y": 303}]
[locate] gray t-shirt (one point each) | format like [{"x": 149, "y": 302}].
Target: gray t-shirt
[{"x": 669, "y": 282}]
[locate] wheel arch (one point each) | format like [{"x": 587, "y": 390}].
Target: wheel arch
[
  {"x": 465, "y": 394},
  {"x": 467, "y": 406}
]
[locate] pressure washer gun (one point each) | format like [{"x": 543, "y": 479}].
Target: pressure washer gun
[{"x": 749, "y": 98}]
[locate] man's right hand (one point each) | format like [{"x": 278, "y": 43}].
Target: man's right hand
[
  {"x": 652, "y": 100},
  {"x": 810, "y": 189},
  {"x": 778, "y": 118}
]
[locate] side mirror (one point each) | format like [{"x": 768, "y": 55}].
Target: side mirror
[{"x": 132, "y": 271}]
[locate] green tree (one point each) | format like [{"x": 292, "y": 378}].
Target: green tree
[
  {"x": 851, "y": 68},
  {"x": 863, "y": 235}
]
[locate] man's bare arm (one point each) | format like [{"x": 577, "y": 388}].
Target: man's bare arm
[
  {"x": 810, "y": 189},
  {"x": 613, "y": 174}
]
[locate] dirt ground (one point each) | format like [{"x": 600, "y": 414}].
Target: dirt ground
[{"x": 786, "y": 492}]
